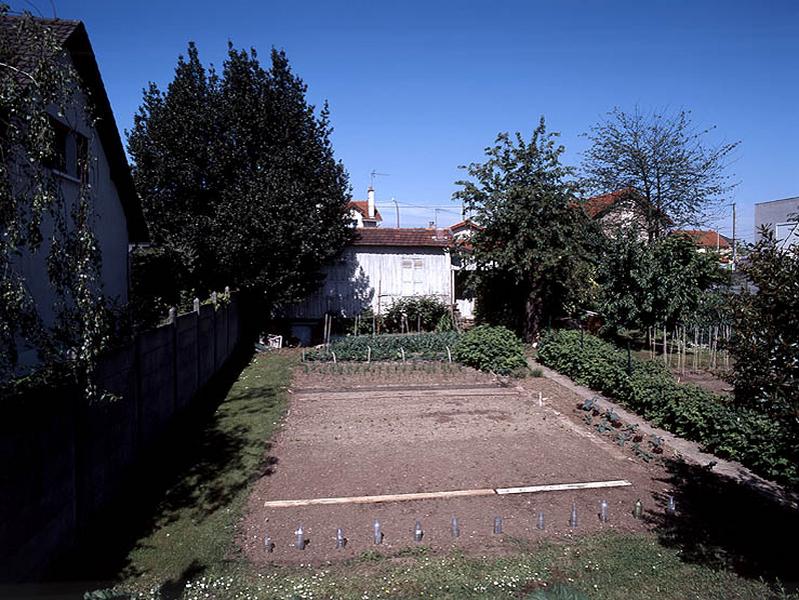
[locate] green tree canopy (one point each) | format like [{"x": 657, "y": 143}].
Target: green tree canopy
[
  {"x": 662, "y": 283},
  {"x": 765, "y": 344},
  {"x": 238, "y": 178},
  {"x": 533, "y": 251}
]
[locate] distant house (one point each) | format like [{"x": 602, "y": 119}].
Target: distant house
[
  {"x": 380, "y": 266},
  {"x": 364, "y": 213},
  {"x": 463, "y": 230},
  {"x": 781, "y": 217},
  {"x": 709, "y": 241},
  {"x": 118, "y": 216},
  {"x": 621, "y": 209}
]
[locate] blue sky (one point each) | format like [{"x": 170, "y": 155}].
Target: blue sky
[{"x": 418, "y": 88}]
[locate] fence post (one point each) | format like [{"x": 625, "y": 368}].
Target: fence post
[{"x": 173, "y": 324}]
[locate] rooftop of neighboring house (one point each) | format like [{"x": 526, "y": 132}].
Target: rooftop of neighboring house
[
  {"x": 706, "y": 239},
  {"x": 598, "y": 206},
  {"x": 404, "y": 236},
  {"x": 362, "y": 206},
  {"x": 73, "y": 38}
]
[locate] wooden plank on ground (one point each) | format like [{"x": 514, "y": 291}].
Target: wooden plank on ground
[
  {"x": 377, "y": 499},
  {"x": 561, "y": 487},
  {"x": 557, "y": 487}
]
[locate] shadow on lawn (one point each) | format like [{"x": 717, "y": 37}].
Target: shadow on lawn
[
  {"x": 187, "y": 470},
  {"x": 724, "y": 524}
]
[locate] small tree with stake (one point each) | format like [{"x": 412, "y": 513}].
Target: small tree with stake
[
  {"x": 675, "y": 175},
  {"x": 532, "y": 250}
]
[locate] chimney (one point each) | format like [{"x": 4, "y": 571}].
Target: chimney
[
  {"x": 370, "y": 202},
  {"x": 431, "y": 224}
]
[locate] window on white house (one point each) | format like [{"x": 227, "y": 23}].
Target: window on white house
[{"x": 412, "y": 276}]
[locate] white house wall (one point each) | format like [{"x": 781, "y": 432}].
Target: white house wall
[
  {"x": 374, "y": 277},
  {"x": 110, "y": 225}
]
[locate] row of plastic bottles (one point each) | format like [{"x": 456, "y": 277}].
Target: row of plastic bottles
[{"x": 418, "y": 533}]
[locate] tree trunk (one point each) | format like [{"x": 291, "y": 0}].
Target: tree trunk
[{"x": 532, "y": 315}]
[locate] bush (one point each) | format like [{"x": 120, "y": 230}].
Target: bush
[
  {"x": 421, "y": 346},
  {"x": 411, "y": 314},
  {"x": 741, "y": 434},
  {"x": 495, "y": 349}
]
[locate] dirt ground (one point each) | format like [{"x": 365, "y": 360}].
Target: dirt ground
[{"x": 403, "y": 432}]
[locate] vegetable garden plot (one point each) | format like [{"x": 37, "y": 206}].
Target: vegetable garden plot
[{"x": 378, "y": 434}]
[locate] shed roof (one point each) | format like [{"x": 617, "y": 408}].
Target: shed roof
[{"x": 405, "y": 236}]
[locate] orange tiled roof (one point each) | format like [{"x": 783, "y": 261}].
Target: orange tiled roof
[
  {"x": 362, "y": 206},
  {"x": 404, "y": 236},
  {"x": 705, "y": 239}
]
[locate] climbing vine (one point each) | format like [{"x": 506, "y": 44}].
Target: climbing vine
[{"x": 42, "y": 227}]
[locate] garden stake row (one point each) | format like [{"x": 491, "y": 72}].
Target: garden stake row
[{"x": 301, "y": 542}]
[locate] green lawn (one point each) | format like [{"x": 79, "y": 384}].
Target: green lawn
[{"x": 190, "y": 551}]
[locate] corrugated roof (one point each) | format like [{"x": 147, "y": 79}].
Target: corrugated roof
[{"x": 405, "y": 236}]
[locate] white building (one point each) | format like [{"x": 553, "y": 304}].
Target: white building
[
  {"x": 364, "y": 213},
  {"x": 781, "y": 217},
  {"x": 380, "y": 266}
]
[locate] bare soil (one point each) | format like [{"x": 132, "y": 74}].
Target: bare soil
[
  {"x": 395, "y": 432},
  {"x": 705, "y": 380}
]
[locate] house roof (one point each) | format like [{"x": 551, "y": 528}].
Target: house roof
[
  {"x": 705, "y": 239},
  {"x": 465, "y": 224},
  {"x": 362, "y": 206},
  {"x": 598, "y": 206},
  {"x": 405, "y": 236},
  {"x": 72, "y": 37}
]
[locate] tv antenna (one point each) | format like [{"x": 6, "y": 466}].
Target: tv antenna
[{"x": 374, "y": 174}]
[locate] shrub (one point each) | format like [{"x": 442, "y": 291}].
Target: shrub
[
  {"x": 423, "y": 346},
  {"x": 410, "y": 314},
  {"x": 737, "y": 433},
  {"x": 495, "y": 349}
]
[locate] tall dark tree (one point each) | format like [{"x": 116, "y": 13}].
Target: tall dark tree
[
  {"x": 171, "y": 144},
  {"x": 674, "y": 172},
  {"x": 533, "y": 251},
  {"x": 260, "y": 199},
  {"x": 765, "y": 344}
]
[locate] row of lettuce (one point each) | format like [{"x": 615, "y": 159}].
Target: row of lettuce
[
  {"x": 768, "y": 447},
  {"x": 490, "y": 349}
]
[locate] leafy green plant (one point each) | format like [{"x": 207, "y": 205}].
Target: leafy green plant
[
  {"x": 388, "y": 347},
  {"x": 767, "y": 446},
  {"x": 494, "y": 349},
  {"x": 417, "y": 313}
]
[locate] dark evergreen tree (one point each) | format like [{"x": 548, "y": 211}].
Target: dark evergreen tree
[{"x": 260, "y": 200}]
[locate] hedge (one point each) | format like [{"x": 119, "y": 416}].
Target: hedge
[{"x": 728, "y": 431}]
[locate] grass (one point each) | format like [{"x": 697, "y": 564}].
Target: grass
[
  {"x": 195, "y": 523},
  {"x": 190, "y": 551},
  {"x": 608, "y": 566}
]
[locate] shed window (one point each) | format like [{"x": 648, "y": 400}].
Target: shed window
[{"x": 412, "y": 276}]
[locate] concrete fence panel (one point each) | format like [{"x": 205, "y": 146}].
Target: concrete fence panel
[{"x": 187, "y": 346}]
